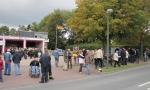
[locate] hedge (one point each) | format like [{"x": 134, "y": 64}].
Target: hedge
[{"x": 88, "y": 46}]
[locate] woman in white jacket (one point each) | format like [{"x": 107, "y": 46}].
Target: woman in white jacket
[
  {"x": 81, "y": 60},
  {"x": 116, "y": 58}
]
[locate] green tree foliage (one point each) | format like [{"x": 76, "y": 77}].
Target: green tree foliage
[
  {"x": 4, "y": 30},
  {"x": 49, "y": 23},
  {"x": 34, "y": 26},
  {"x": 89, "y": 19},
  {"x": 13, "y": 32},
  {"x": 22, "y": 27}
]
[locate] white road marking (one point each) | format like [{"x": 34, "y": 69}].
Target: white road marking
[{"x": 144, "y": 84}]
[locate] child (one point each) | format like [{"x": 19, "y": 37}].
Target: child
[
  {"x": 1, "y": 68},
  {"x": 35, "y": 66},
  {"x": 75, "y": 59}
]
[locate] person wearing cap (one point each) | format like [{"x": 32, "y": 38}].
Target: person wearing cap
[
  {"x": 1, "y": 68},
  {"x": 7, "y": 59}
]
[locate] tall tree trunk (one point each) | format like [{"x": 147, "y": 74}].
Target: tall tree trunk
[
  {"x": 141, "y": 49},
  {"x": 104, "y": 46}
]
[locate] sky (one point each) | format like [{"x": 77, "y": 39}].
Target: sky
[{"x": 23, "y": 12}]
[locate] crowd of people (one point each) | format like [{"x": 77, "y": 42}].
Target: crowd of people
[
  {"x": 121, "y": 56},
  {"x": 15, "y": 55}
]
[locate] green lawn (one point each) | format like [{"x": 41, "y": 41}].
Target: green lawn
[{"x": 112, "y": 69}]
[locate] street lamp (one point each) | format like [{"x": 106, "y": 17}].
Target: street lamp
[
  {"x": 108, "y": 12},
  {"x": 56, "y": 36}
]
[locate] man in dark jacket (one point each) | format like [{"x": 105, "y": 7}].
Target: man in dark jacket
[
  {"x": 123, "y": 56},
  {"x": 45, "y": 63},
  {"x": 16, "y": 59}
]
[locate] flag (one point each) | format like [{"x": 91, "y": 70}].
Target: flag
[{"x": 60, "y": 27}]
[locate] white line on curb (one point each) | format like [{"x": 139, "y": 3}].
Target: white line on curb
[{"x": 144, "y": 84}]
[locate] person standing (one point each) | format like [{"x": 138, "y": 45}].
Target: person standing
[
  {"x": 65, "y": 60},
  {"x": 95, "y": 58},
  {"x": 1, "y": 68},
  {"x": 45, "y": 65},
  {"x": 137, "y": 55},
  {"x": 7, "y": 59},
  {"x": 81, "y": 61},
  {"x": 116, "y": 58},
  {"x": 16, "y": 59},
  {"x": 123, "y": 56},
  {"x": 88, "y": 61},
  {"x": 100, "y": 57},
  {"x": 127, "y": 56},
  {"x": 69, "y": 59},
  {"x": 56, "y": 56},
  {"x": 50, "y": 67}
]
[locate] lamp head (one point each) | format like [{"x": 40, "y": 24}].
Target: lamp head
[{"x": 109, "y": 10}]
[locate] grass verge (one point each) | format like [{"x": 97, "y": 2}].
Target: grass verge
[{"x": 123, "y": 67}]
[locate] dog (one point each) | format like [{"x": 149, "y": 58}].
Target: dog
[{"x": 99, "y": 70}]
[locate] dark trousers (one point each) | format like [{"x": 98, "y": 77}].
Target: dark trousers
[
  {"x": 126, "y": 61},
  {"x": 44, "y": 71},
  {"x": 100, "y": 62},
  {"x": 70, "y": 63},
  {"x": 116, "y": 62},
  {"x": 96, "y": 62},
  {"x": 31, "y": 55},
  {"x": 50, "y": 70},
  {"x": 132, "y": 59},
  {"x": 80, "y": 69},
  {"x": 123, "y": 60},
  {"x": 119, "y": 59},
  {"x": 110, "y": 62}
]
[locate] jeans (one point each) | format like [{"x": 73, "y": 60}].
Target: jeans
[
  {"x": 56, "y": 62},
  {"x": 35, "y": 70},
  {"x": 88, "y": 69},
  {"x": 44, "y": 71},
  {"x": 1, "y": 78},
  {"x": 17, "y": 65},
  {"x": 145, "y": 59},
  {"x": 74, "y": 61},
  {"x": 7, "y": 68}
]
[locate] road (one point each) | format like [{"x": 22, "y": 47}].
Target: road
[{"x": 131, "y": 79}]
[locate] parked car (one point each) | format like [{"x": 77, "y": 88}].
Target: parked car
[{"x": 61, "y": 52}]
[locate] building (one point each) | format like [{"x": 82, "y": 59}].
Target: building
[{"x": 25, "y": 39}]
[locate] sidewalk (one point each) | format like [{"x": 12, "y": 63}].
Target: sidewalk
[{"x": 24, "y": 79}]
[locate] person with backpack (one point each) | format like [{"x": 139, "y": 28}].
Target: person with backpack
[{"x": 1, "y": 68}]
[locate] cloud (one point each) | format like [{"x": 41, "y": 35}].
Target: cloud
[{"x": 23, "y": 12}]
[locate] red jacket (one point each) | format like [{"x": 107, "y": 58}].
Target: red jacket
[{"x": 1, "y": 64}]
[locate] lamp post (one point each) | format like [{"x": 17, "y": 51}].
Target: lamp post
[
  {"x": 108, "y": 11},
  {"x": 56, "y": 36}
]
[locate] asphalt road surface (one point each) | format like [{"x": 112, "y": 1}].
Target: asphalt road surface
[{"x": 131, "y": 79}]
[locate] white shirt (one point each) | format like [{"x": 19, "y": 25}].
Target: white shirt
[{"x": 99, "y": 53}]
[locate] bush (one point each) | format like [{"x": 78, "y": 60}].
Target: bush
[{"x": 88, "y": 46}]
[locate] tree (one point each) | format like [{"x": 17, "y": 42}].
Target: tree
[
  {"x": 4, "y": 30},
  {"x": 22, "y": 27},
  {"x": 34, "y": 26},
  {"x": 13, "y": 32},
  {"x": 89, "y": 20},
  {"x": 49, "y": 24},
  {"x": 28, "y": 27}
]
